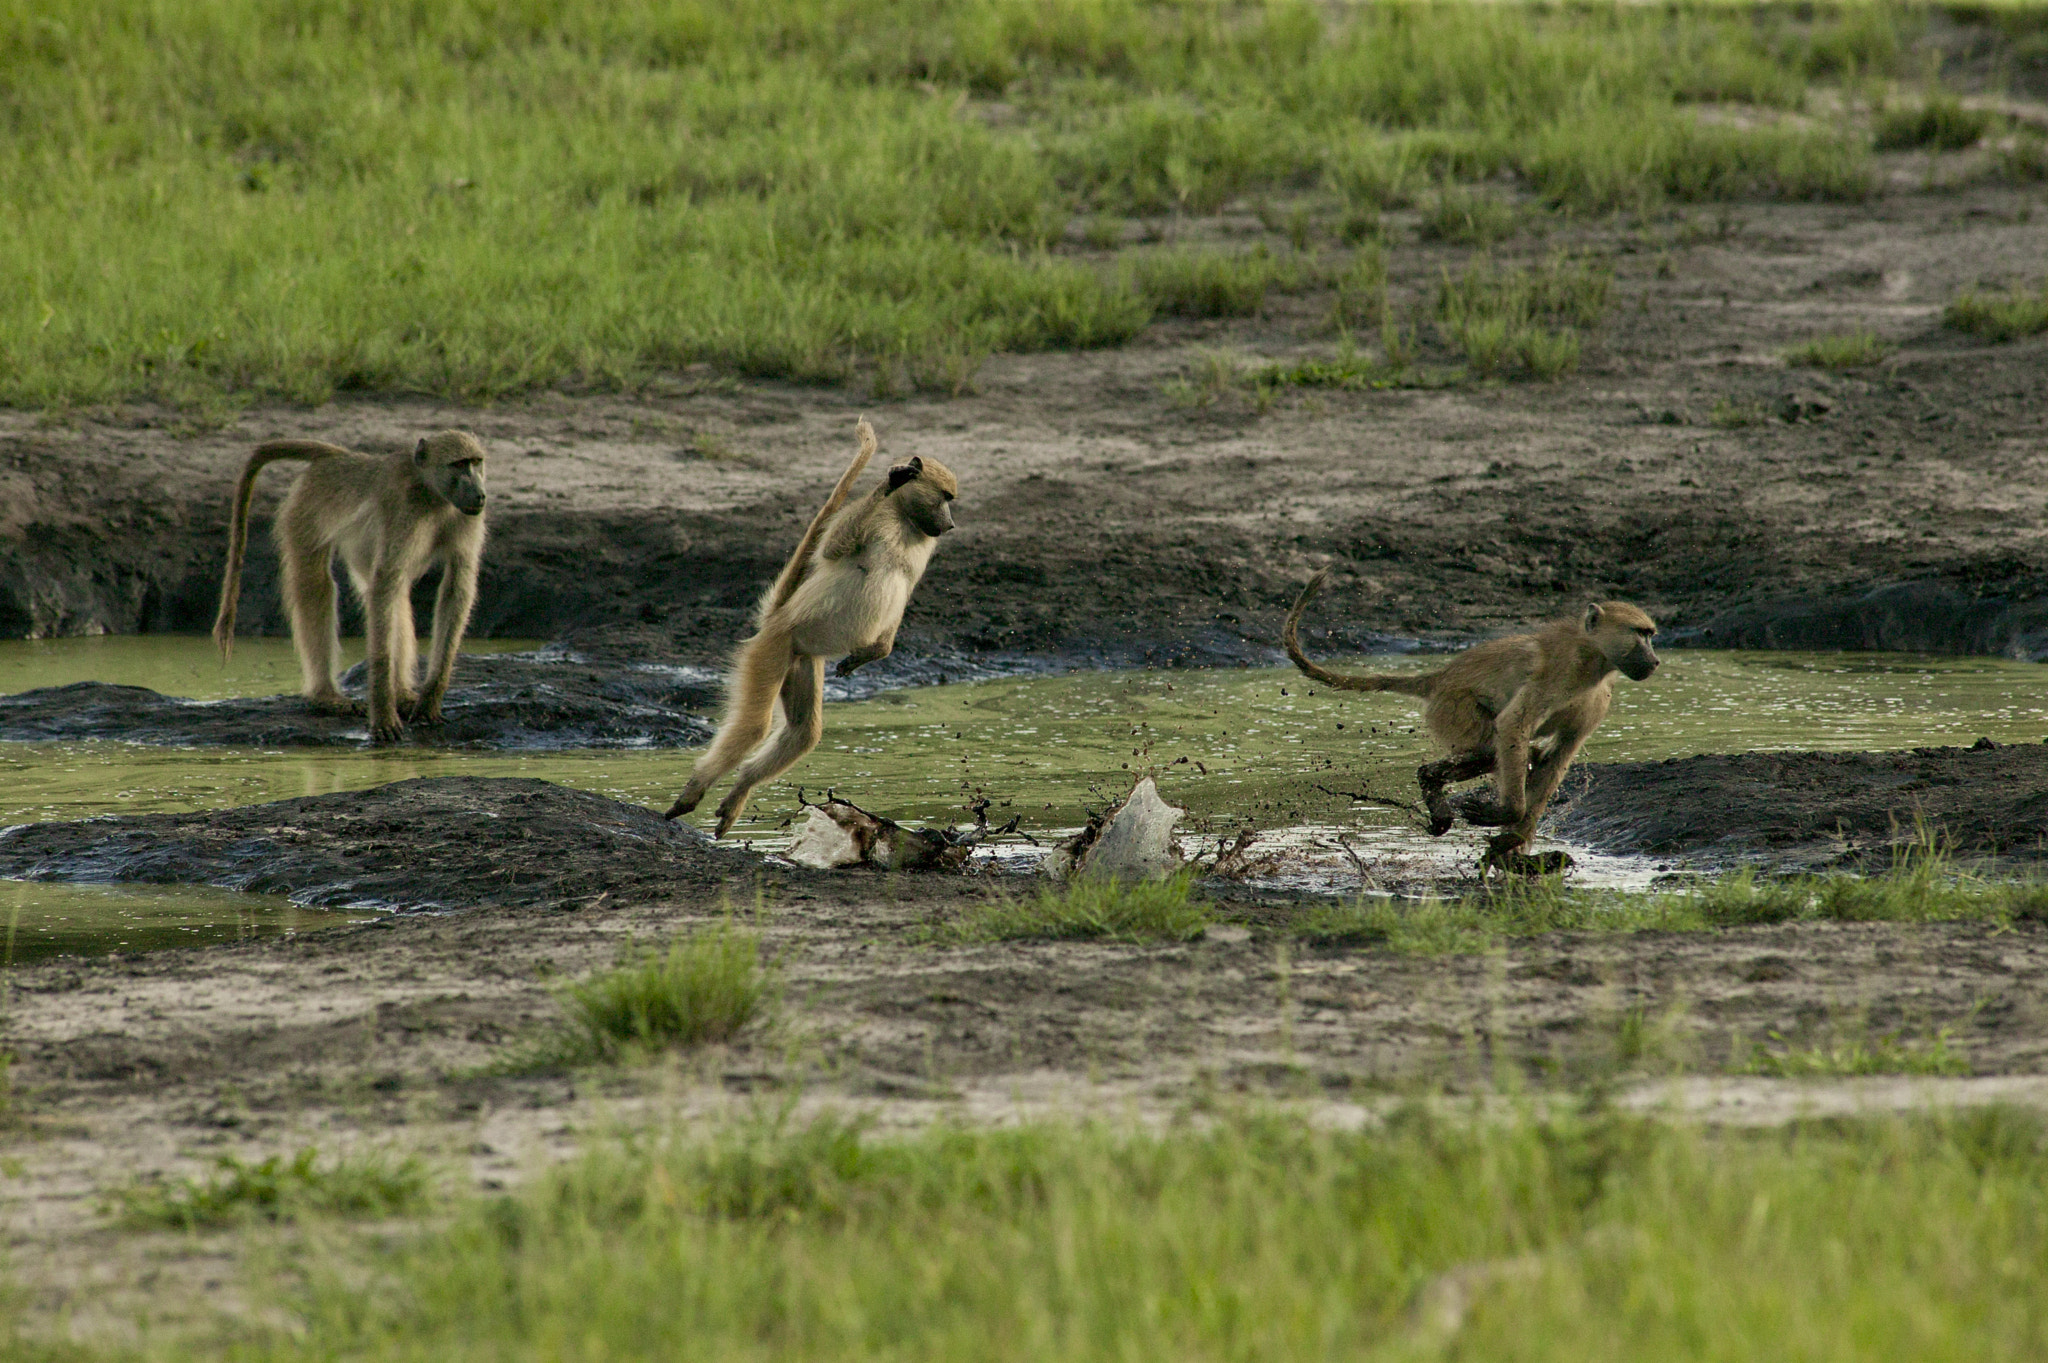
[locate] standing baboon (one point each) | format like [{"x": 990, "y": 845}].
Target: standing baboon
[
  {"x": 841, "y": 593},
  {"x": 1500, "y": 703},
  {"x": 390, "y": 519}
]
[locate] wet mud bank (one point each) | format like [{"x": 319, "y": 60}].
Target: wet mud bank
[
  {"x": 1935, "y": 616},
  {"x": 433, "y": 843},
  {"x": 497, "y": 702},
  {"x": 1814, "y": 809}
]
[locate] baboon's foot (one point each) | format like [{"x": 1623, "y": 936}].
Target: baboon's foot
[
  {"x": 1440, "y": 816},
  {"x": 334, "y": 703},
  {"x": 729, "y": 810},
  {"x": 422, "y": 710},
  {"x": 1504, "y": 851}
]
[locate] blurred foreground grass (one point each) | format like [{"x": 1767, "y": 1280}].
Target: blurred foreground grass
[
  {"x": 1489, "y": 1232},
  {"x": 223, "y": 198}
]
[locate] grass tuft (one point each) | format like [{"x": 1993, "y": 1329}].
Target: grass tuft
[
  {"x": 1853, "y": 1055},
  {"x": 1090, "y": 908},
  {"x": 276, "y": 1189},
  {"x": 1844, "y": 350},
  {"x": 1941, "y": 124},
  {"x": 1525, "y": 316},
  {"x": 2001, "y": 316},
  {"x": 1194, "y": 283},
  {"x": 703, "y": 989},
  {"x": 1468, "y": 217}
]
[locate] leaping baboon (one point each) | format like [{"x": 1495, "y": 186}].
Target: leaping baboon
[
  {"x": 841, "y": 593},
  {"x": 390, "y": 518},
  {"x": 1499, "y": 704}
]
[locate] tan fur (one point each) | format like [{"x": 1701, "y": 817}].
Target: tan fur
[
  {"x": 390, "y": 518},
  {"x": 1502, "y": 704},
  {"x": 841, "y": 594}
]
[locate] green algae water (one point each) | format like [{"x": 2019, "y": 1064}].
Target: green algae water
[
  {"x": 1258, "y": 747},
  {"x": 39, "y": 920}
]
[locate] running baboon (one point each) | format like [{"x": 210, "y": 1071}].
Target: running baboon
[
  {"x": 390, "y": 518},
  {"x": 841, "y": 593},
  {"x": 1500, "y": 703}
]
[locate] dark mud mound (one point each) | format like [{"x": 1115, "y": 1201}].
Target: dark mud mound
[
  {"x": 1815, "y": 808},
  {"x": 444, "y": 842},
  {"x": 1907, "y": 617},
  {"x": 497, "y": 701}
]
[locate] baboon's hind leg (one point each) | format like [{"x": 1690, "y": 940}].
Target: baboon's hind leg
[
  {"x": 758, "y": 674},
  {"x": 309, "y": 601},
  {"x": 803, "y": 715},
  {"x": 1434, "y": 776}
]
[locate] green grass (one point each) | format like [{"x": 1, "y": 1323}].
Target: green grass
[
  {"x": 1468, "y": 217},
  {"x": 276, "y": 1189},
  {"x": 1855, "y": 1054},
  {"x": 1093, "y": 908},
  {"x": 1845, "y": 350},
  {"x": 225, "y": 199},
  {"x": 704, "y": 988},
  {"x": 1923, "y": 886},
  {"x": 2000, "y": 316},
  {"x": 1521, "y": 316},
  {"x": 1197, "y": 283},
  {"x": 1940, "y": 124},
  {"x": 1246, "y": 1236}
]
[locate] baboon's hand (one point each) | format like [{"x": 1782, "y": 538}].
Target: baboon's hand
[
  {"x": 683, "y": 805},
  {"x": 387, "y": 730},
  {"x": 1482, "y": 809},
  {"x": 426, "y": 710},
  {"x": 845, "y": 666}
]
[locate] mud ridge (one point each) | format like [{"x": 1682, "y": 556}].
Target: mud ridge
[
  {"x": 499, "y": 701},
  {"x": 1906, "y": 617},
  {"x": 445, "y": 842},
  {"x": 1814, "y": 809}
]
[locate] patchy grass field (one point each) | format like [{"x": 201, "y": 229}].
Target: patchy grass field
[{"x": 225, "y": 199}]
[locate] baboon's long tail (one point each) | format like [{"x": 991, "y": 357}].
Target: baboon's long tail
[
  {"x": 270, "y": 452},
  {"x": 799, "y": 565},
  {"x": 1290, "y": 639}
]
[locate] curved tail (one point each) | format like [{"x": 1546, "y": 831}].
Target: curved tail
[
  {"x": 799, "y": 565},
  {"x": 270, "y": 452},
  {"x": 1290, "y": 639}
]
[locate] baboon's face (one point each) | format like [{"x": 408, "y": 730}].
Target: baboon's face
[
  {"x": 452, "y": 464},
  {"x": 923, "y": 492},
  {"x": 1623, "y": 633}
]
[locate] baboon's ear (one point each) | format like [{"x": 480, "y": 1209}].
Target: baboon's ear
[
  {"x": 904, "y": 473},
  {"x": 1592, "y": 617},
  {"x": 419, "y": 453}
]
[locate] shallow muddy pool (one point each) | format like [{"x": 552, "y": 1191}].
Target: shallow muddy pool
[{"x": 1310, "y": 768}]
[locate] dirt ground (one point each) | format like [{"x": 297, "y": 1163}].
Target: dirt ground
[
  {"x": 1103, "y": 517},
  {"x": 1101, "y": 511}
]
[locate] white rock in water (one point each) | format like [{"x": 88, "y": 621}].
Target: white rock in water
[
  {"x": 1136, "y": 840},
  {"x": 825, "y": 844}
]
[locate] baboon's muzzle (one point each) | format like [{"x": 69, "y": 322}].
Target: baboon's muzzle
[{"x": 1637, "y": 667}]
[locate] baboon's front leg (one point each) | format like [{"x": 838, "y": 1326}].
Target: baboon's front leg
[
  {"x": 1434, "y": 776},
  {"x": 1544, "y": 779},
  {"x": 452, "y": 605},
  {"x": 379, "y": 620}
]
